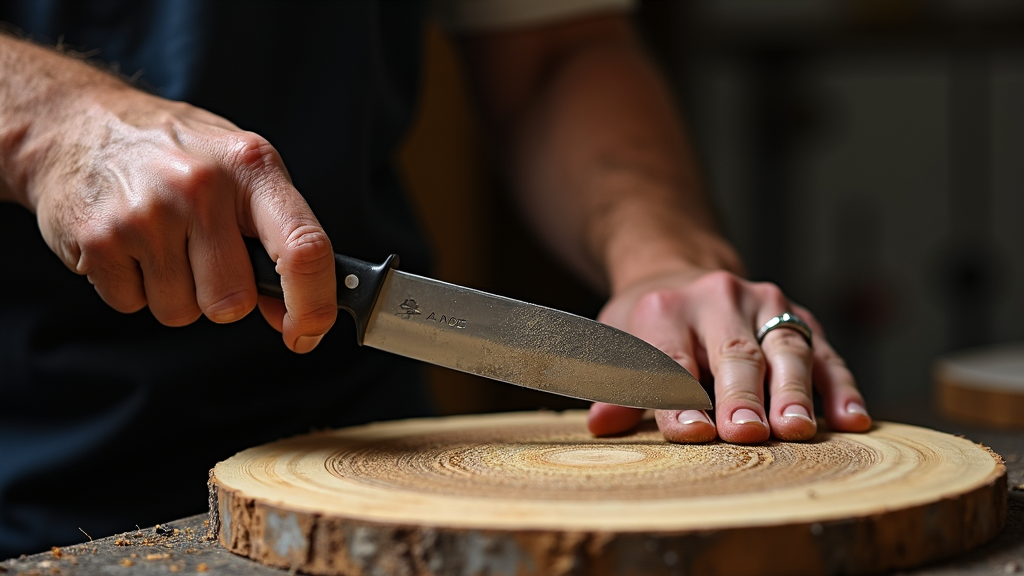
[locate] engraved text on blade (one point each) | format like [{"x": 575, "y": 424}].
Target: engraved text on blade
[{"x": 410, "y": 308}]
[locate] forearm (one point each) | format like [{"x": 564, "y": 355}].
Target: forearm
[
  {"x": 598, "y": 158},
  {"x": 40, "y": 91},
  {"x": 606, "y": 173}
]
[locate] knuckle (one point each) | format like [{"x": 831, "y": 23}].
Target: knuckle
[
  {"x": 97, "y": 245},
  {"x": 315, "y": 320},
  {"x": 655, "y": 305},
  {"x": 94, "y": 239},
  {"x": 307, "y": 252},
  {"x": 723, "y": 283},
  {"x": 741, "y": 350},
  {"x": 791, "y": 388},
  {"x": 138, "y": 218},
  {"x": 658, "y": 302},
  {"x": 190, "y": 179},
  {"x": 138, "y": 222},
  {"x": 741, "y": 395},
  {"x": 183, "y": 187},
  {"x": 249, "y": 150},
  {"x": 772, "y": 296}
]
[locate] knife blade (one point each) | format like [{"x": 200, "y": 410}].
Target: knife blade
[{"x": 499, "y": 338}]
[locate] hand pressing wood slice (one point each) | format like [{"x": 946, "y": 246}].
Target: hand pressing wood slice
[
  {"x": 534, "y": 493},
  {"x": 984, "y": 387}
]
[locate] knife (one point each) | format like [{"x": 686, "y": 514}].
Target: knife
[{"x": 497, "y": 337}]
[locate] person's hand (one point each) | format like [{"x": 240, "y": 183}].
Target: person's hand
[
  {"x": 707, "y": 321},
  {"x": 150, "y": 198}
]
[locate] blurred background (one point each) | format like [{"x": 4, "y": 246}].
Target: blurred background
[{"x": 865, "y": 155}]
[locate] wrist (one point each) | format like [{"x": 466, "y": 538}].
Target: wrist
[
  {"x": 45, "y": 98},
  {"x": 663, "y": 244}
]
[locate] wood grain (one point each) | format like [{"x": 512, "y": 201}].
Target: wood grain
[{"x": 534, "y": 493}]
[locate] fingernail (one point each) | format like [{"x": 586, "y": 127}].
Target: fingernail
[
  {"x": 744, "y": 416},
  {"x": 305, "y": 344},
  {"x": 797, "y": 411},
  {"x": 693, "y": 417},
  {"x": 856, "y": 408}
]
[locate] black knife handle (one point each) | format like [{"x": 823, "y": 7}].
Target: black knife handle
[{"x": 359, "y": 283}]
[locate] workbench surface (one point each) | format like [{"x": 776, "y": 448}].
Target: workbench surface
[{"x": 183, "y": 547}]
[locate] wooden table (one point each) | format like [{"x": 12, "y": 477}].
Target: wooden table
[{"x": 182, "y": 546}]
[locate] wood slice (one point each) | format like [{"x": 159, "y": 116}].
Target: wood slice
[
  {"x": 534, "y": 493},
  {"x": 983, "y": 387}
]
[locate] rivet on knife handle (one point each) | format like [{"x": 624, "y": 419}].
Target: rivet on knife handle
[{"x": 359, "y": 282}]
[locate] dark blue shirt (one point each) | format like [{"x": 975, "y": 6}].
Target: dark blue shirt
[{"x": 110, "y": 420}]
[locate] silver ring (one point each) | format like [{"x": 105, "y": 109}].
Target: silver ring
[{"x": 785, "y": 320}]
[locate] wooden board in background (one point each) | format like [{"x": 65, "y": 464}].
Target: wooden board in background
[{"x": 984, "y": 387}]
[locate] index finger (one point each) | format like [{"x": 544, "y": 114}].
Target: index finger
[{"x": 280, "y": 217}]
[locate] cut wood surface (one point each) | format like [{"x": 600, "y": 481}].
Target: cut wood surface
[
  {"x": 984, "y": 387},
  {"x": 534, "y": 493}
]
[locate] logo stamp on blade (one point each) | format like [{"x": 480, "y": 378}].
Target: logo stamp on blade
[{"x": 409, "y": 309}]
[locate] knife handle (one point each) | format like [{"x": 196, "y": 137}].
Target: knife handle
[{"x": 359, "y": 282}]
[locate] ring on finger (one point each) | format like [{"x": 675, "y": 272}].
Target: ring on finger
[{"x": 785, "y": 320}]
